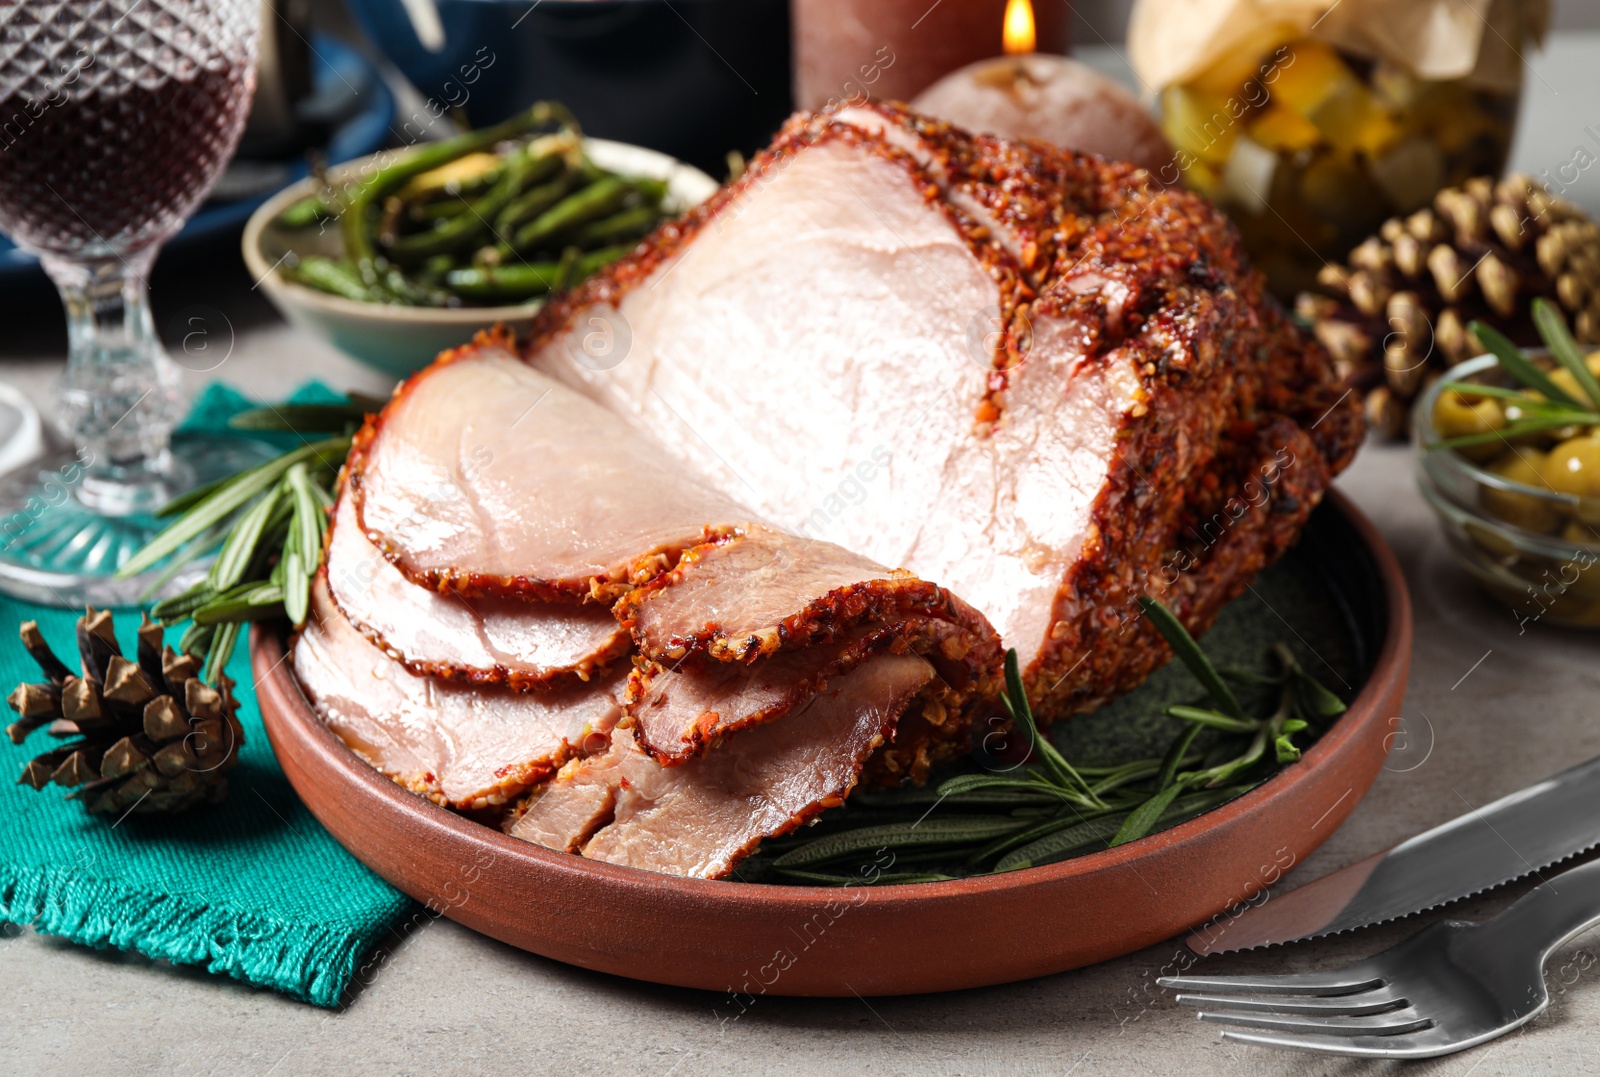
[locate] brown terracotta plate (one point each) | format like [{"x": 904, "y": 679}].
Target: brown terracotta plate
[{"x": 798, "y": 940}]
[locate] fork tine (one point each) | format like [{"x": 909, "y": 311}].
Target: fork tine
[
  {"x": 1387, "y": 1024},
  {"x": 1402, "y": 1046},
  {"x": 1341, "y": 982},
  {"x": 1353, "y": 1005}
]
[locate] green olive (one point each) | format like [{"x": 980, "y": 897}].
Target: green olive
[
  {"x": 1583, "y": 568},
  {"x": 1567, "y": 383},
  {"x": 1573, "y": 467},
  {"x": 1489, "y": 539},
  {"x": 1457, "y": 416},
  {"x": 1518, "y": 509}
]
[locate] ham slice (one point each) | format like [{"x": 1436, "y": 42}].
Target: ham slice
[
  {"x": 762, "y": 590},
  {"x": 1026, "y": 374},
  {"x": 733, "y": 637},
  {"x": 461, "y": 746},
  {"x": 701, "y": 818},
  {"x": 479, "y": 640},
  {"x": 471, "y": 482}
]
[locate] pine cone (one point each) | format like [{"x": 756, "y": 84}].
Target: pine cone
[
  {"x": 1397, "y": 315},
  {"x": 150, "y": 735}
]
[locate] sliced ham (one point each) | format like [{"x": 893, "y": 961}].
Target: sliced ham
[
  {"x": 459, "y": 745},
  {"x": 471, "y": 481},
  {"x": 702, "y": 818},
  {"x": 761, "y": 590},
  {"x": 1029, "y": 375},
  {"x": 480, "y": 640},
  {"x": 748, "y": 592},
  {"x": 746, "y": 629},
  {"x": 740, "y": 633}
]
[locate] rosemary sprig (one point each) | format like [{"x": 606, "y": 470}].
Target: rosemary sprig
[
  {"x": 1050, "y": 808},
  {"x": 265, "y": 527}
]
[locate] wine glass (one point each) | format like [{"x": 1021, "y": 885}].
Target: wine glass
[{"x": 116, "y": 118}]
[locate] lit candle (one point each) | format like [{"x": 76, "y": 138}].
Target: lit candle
[{"x": 1026, "y": 94}]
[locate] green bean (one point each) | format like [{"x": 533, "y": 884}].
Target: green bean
[
  {"x": 355, "y": 228},
  {"x": 440, "y": 209},
  {"x": 567, "y": 269},
  {"x": 515, "y": 283},
  {"x": 334, "y": 277},
  {"x": 434, "y": 269},
  {"x": 600, "y": 198},
  {"x": 530, "y": 203},
  {"x": 650, "y": 189},
  {"x": 462, "y": 231},
  {"x": 305, "y": 212},
  {"x": 504, "y": 284},
  {"x": 596, "y": 260},
  {"x": 470, "y": 173},
  {"x": 413, "y": 292},
  {"x": 628, "y": 224}
]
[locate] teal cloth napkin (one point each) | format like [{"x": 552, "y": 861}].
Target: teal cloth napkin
[{"x": 253, "y": 888}]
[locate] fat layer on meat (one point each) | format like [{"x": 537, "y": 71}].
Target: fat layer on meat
[{"x": 485, "y": 640}]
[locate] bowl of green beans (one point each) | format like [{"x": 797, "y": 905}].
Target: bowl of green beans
[{"x": 397, "y": 256}]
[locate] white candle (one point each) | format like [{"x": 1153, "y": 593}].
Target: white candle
[{"x": 1031, "y": 95}]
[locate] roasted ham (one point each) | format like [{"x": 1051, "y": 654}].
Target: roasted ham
[
  {"x": 797, "y": 457},
  {"x": 1025, "y": 374}
]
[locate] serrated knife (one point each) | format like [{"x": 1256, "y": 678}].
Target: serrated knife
[{"x": 1516, "y": 835}]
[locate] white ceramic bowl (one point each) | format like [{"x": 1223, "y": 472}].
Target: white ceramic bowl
[{"x": 397, "y": 339}]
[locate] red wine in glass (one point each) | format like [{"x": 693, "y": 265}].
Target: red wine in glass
[
  {"x": 115, "y": 122},
  {"x": 118, "y": 167}
]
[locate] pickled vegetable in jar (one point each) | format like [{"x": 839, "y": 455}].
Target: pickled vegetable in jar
[{"x": 1311, "y": 122}]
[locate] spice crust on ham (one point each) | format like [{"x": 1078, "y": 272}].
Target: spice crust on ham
[{"x": 1082, "y": 390}]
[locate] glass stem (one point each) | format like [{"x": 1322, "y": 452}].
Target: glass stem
[{"x": 120, "y": 395}]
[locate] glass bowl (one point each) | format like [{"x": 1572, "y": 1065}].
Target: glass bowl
[{"x": 1528, "y": 545}]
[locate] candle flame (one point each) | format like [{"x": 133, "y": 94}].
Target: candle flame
[{"x": 1019, "y": 36}]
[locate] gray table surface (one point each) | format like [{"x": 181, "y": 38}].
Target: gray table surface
[{"x": 1491, "y": 708}]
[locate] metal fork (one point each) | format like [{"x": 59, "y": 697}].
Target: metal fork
[{"x": 1449, "y": 987}]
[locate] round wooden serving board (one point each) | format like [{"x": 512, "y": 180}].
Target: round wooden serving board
[{"x": 803, "y": 940}]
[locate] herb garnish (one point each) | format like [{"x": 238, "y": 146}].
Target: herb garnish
[
  {"x": 1049, "y": 809},
  {"x": 1538, "y": 403},
  {"x": 265, "y": 526}
]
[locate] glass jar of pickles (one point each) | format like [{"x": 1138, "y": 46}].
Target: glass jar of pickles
[
  {"x": 1521, "y": 512},
  {"x": 1311, "y": 130}
]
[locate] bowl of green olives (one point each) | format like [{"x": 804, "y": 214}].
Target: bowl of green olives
[{"x": 1509, "y": 459}]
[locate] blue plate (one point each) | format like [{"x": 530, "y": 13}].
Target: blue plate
[{"x": 343, "y": 83}]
